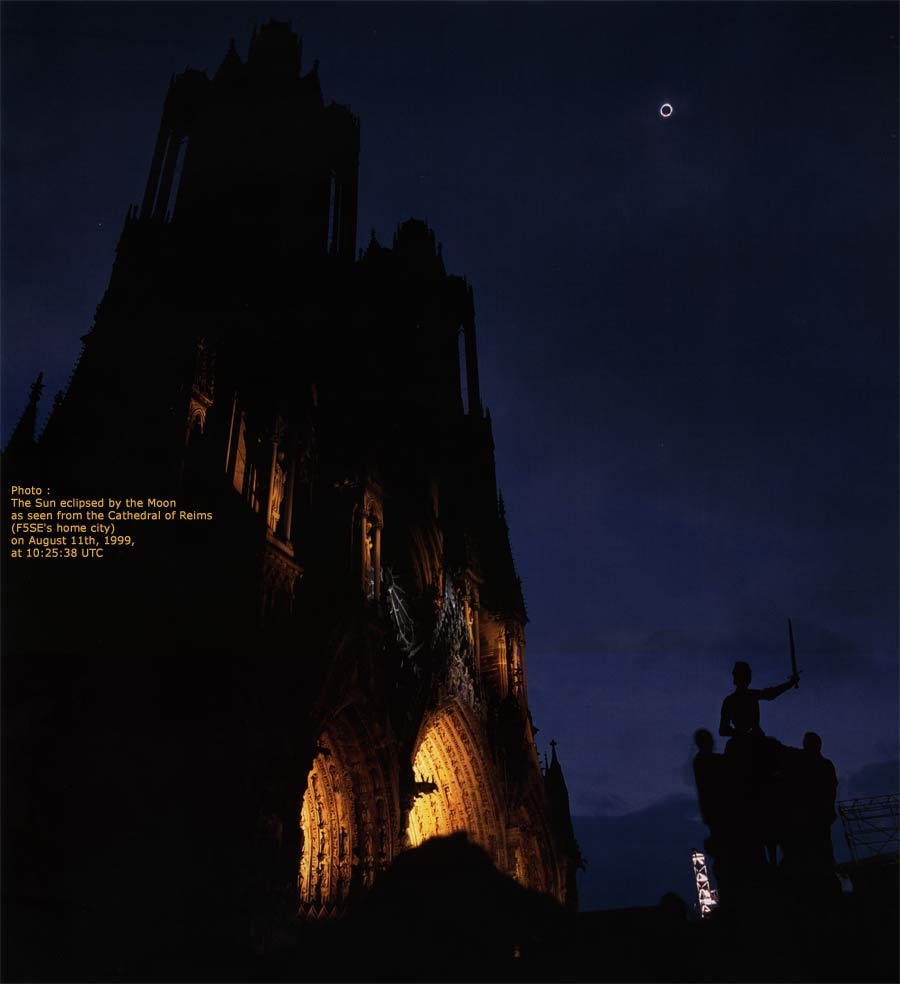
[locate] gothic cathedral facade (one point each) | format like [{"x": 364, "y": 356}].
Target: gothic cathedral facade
[{"x": 331, "y": 670}]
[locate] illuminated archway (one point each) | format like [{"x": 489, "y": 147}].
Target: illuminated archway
[
  {"x": 531, "y": 851},
  {"x": 328, "y": 828},
  {"x": 348, "y": 817},
  {"x": 465, "y": 797}
]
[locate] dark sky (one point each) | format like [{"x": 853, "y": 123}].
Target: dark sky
[{"x": 687, "y": 330}]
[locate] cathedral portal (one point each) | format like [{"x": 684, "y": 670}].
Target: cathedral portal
[{"x": 450, "y": 756}]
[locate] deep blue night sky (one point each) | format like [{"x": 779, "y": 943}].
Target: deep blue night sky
[{"x": 687, "y": 332}]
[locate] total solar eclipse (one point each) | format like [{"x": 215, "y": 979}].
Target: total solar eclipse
[{"x": 665, "y": 110}]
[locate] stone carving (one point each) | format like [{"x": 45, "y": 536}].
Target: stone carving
[
  {"x": 348, "y": 816},
  {"x": 452, "y": 638},
  {"x": 278, "y": 483},
  {"x": 398, "y": 610}
]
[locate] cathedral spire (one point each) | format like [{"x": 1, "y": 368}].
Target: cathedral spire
[
  {"x": 22, "y": 439},
  {"x": 275, "y": 50},
  {"x": 231, "y": 66},
  {"x": 472, "y": 383},
  {"x": 561, "y": 822}
]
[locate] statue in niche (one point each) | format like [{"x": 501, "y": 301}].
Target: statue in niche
[
  {"x": 278, "y": 483},
  {"x": 368, "y": 855},
  {"x": 303, "y": 881},
  {"x": 368, "y": 563},
  {"x": 240, "y": 459},
  {"x": 470, "y": 621},
  {"x": 319, "y": 884}
]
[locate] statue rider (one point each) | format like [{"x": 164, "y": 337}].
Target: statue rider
[
  {"x": 740, "y": 709},
  {"x": 753, "y": 754}
]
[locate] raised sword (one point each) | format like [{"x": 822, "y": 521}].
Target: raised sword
[{"x": 793, "y": 653}]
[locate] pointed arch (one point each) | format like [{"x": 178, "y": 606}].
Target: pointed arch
[
  {"x": 450, "y": 753},
  {"x": 349, "y": 815}
]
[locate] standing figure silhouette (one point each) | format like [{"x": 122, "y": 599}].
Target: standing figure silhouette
[{"x": 740, "y": 709}]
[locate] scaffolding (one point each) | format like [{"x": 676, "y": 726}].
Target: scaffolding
[
  {"x": 707, "y": 896},
  {"x": 871, "y": 826}
]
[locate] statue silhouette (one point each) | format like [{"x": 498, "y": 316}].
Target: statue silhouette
[
  {"x": 808, "y": 853},
  {"x": 754, "y": 755},
  {"x": 761, "y": 795},
  {"x": 710, "y": 778},
  {"x": 820, "y": 782},
  {"x": 740, "y": 710}
]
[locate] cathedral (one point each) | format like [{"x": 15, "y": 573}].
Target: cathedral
[{"x": 248, "y": 715}]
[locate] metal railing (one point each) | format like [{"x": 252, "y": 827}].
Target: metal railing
[{"x": 871, "y": 825}]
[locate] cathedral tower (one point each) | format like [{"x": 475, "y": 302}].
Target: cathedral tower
[{"x": 276, "y": 703}]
